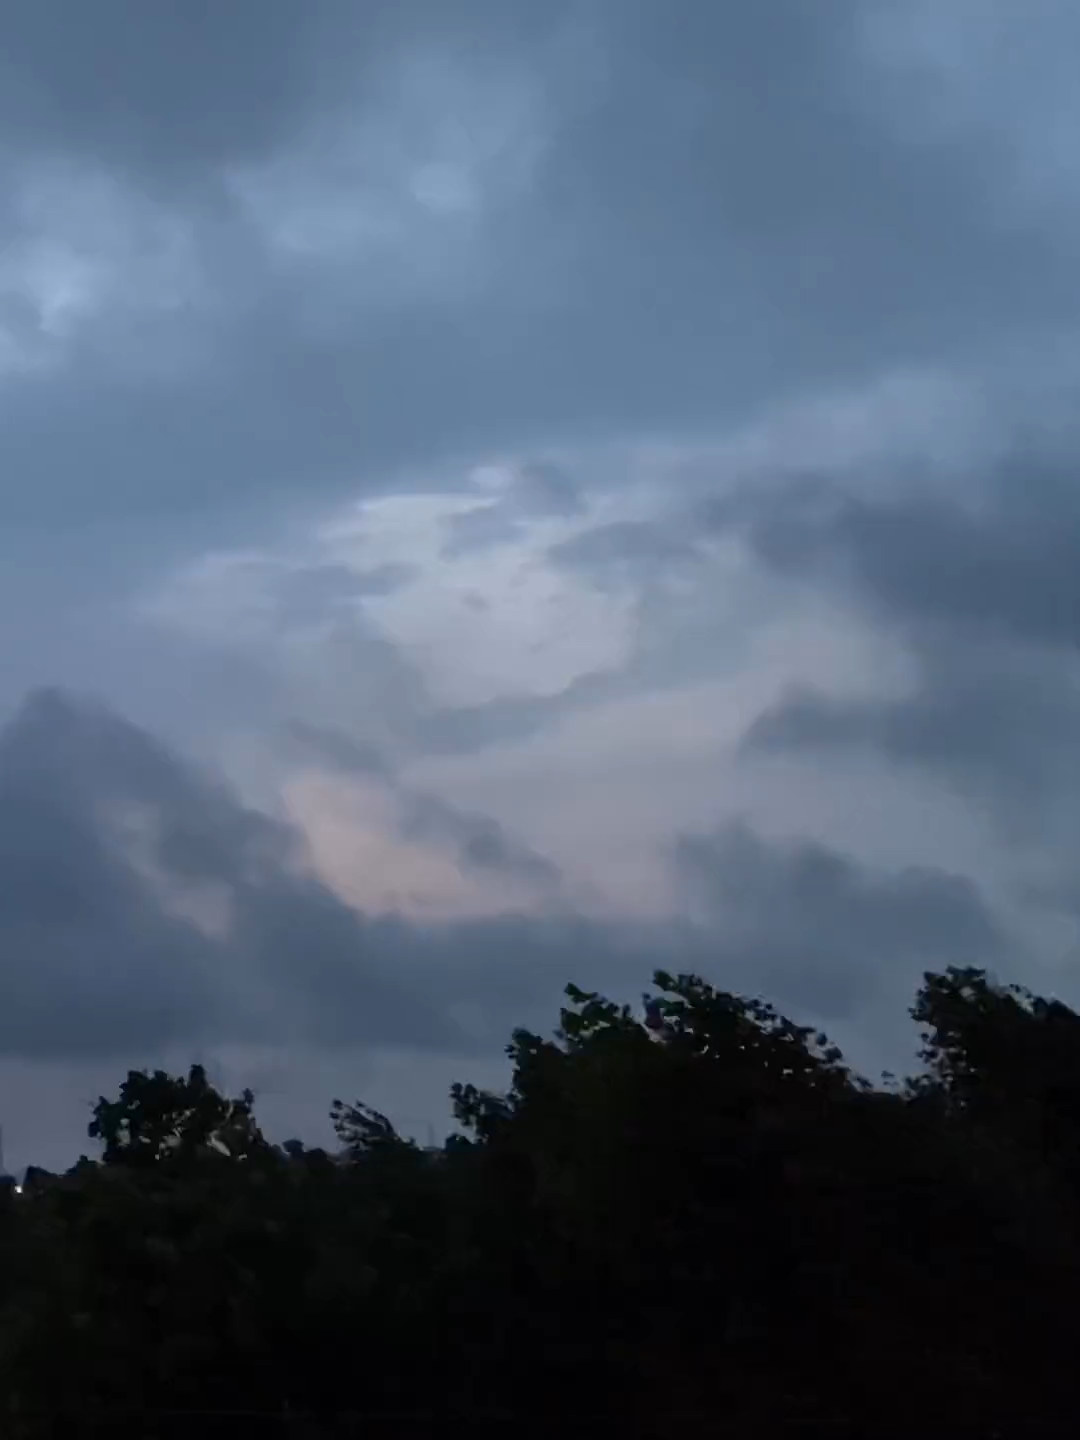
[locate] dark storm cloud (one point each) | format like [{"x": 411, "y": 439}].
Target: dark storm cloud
[
  {"x": 811, "y": 924},
  {"x": 720, "y": 206},
  {"x": 94, "y": 955},
  {"x": 998, "y": 552},
  {"x": 991, "y": 719},
  {"x": 166, "y": 86},
  {"x": 103, "y": 831},
  {"x": 179, "y": 88},
  {"x": 691, "y": 241},
  {"x": 982, "y": 586},
  {"x": 766, "y": 212},
  {"x": 168, "y": 100},
  {"x": 99, "y": 953}
]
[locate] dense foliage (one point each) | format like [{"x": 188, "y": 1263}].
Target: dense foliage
[{"x": 699, "y": 1222}]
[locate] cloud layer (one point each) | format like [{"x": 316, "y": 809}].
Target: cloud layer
[
  {"x": 143, "y": 901},
  {"x": 533, "y": 492}
]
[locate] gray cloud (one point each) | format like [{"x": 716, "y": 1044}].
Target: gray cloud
[
  {"x": 117, "y": 84},
  {"x": 981, "y": 587},
  {"x": 142, "y": 905},
  {"x": 112, "y": 851},
  {"x": 261, "y": 257},
  {"x": 545, "y": 488},
  {"x": 634, "y": 549},
  {"x": 688, "y": 243},
  {"x": 995, "y": 720},
  {"x": 999, "y": 554},
  {"x": 113, "y": 856},
  {"x": 312, "y": 592},
  {"x": 340, "y": 751},
  {"x": 490, "y": 524},
  {"x": 538, "y": 488},
  {"x": 812, "y": 925},
  {"x": 478, "y": 842},
  {"x": 462, "y": 729}
]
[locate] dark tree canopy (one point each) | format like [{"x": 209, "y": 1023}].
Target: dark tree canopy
[
  {"x": 688, "y": 1220},
  {"x": 158, "y": 1117}
]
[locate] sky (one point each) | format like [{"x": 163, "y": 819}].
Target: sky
[{"x": 497, "y": 494}]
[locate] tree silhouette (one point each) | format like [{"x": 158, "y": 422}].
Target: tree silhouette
[
  {"x": 691, "y": 1219},
  {"x": 158, "y": 1116}
]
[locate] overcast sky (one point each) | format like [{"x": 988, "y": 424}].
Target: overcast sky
[{"x": 497, "y": 493}]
